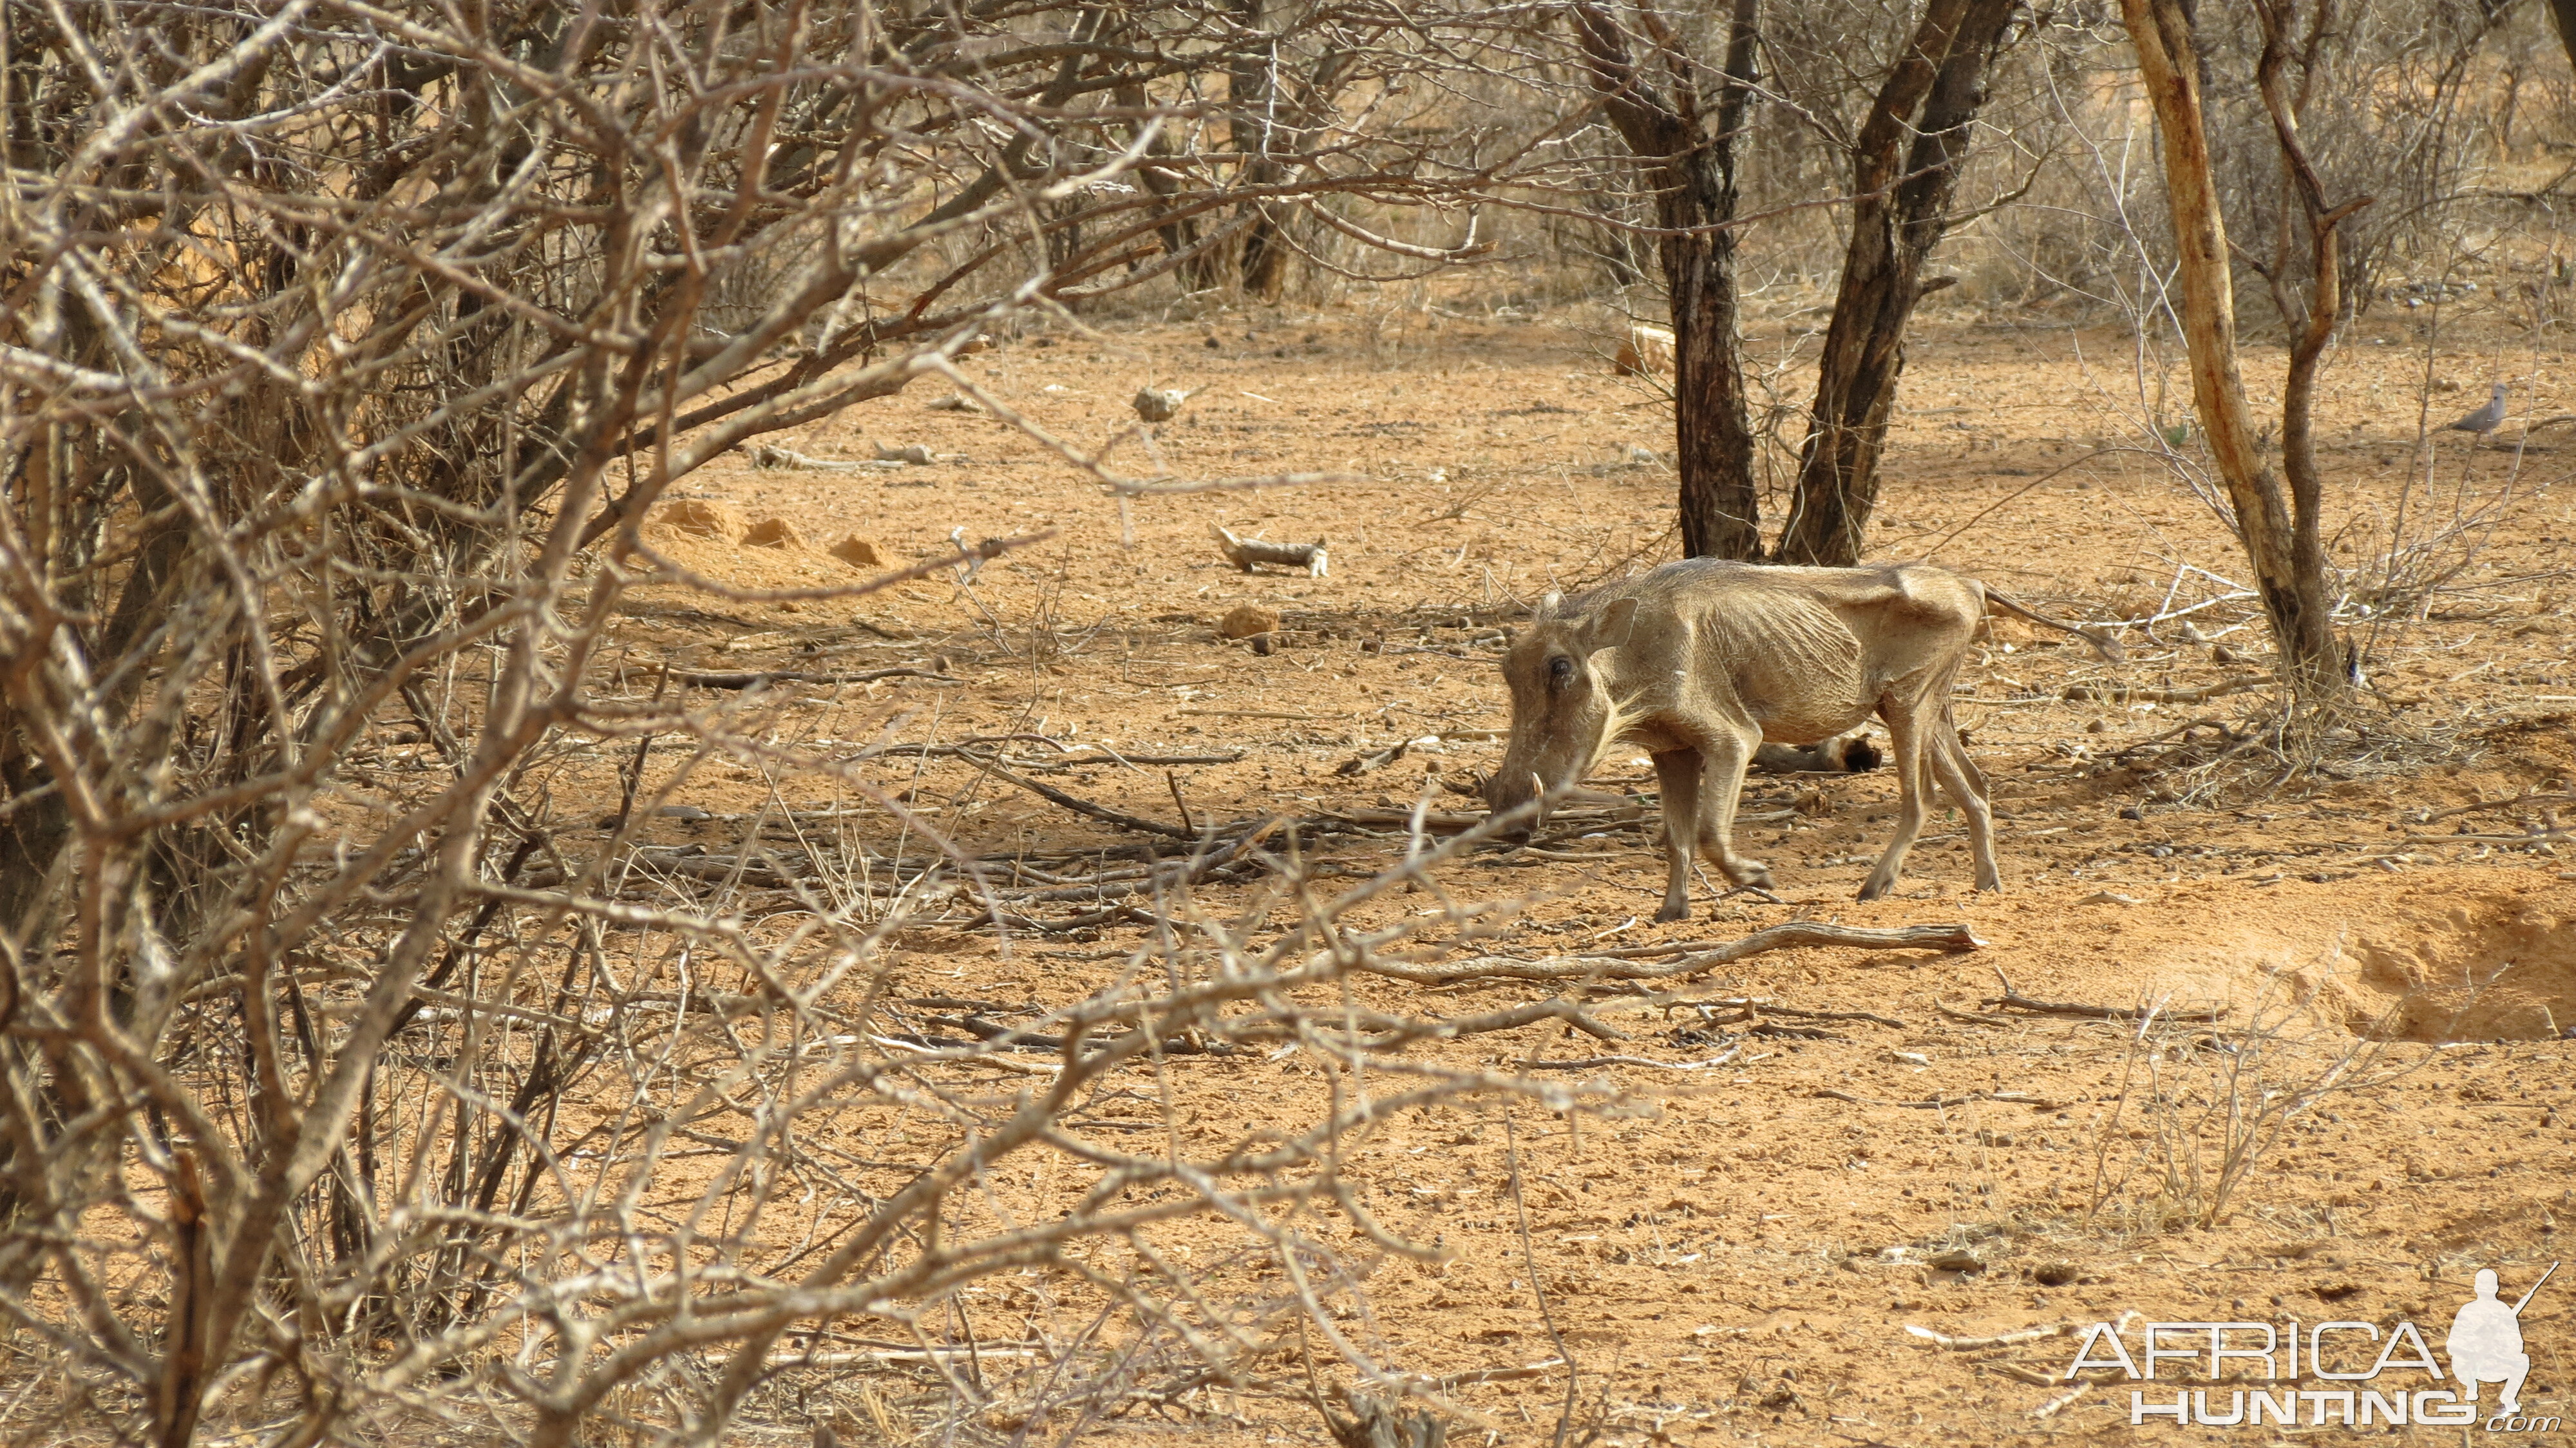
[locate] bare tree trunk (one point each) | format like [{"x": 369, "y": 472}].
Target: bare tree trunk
[
  {"x": 1252, "y": 95},
  {"x": 2564, "y": 12},
  {"x": 2290, "y": 579},
  {"x": 1689, "y": 153},
  {"x": 2325, "y": 300},
  {"x": 1933, "y": 95}
]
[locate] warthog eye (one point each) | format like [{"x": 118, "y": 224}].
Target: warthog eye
[{"x": 1560, "y": 672}]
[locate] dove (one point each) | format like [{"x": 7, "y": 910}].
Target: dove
[{"x": 2486, "y": 419}]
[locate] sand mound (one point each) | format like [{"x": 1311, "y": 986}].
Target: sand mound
[
  {"x": 700, "y": 518},
  {"x": 772, "y": 533},
  {"x": 859, "y": 552}
]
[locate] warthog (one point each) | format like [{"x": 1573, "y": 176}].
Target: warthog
[
  {"x": 1700, "y": 662},
  {"x": 1646, "y": 351}
]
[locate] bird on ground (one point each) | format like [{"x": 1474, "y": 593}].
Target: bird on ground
[{"x": 2486, "y": 419}]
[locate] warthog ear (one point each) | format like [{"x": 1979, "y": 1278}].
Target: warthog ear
[
  {"x": 1548, "y": 604},
  {"x": 1610, "y": 628}
]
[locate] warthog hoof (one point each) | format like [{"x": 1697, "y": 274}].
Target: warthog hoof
[{"x": 1671, "y": 913}]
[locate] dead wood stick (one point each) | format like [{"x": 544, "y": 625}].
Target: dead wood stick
[
  {"x": 1178, "y": 1044},
  {"x": 2125, "y": 694},
  {"x": 1756, "y": 1005},
  {"x": 1787, "y": 936},
  {"x": 2015, "y": 1000},
  {"x": 1079, "y": 806},
  {"x": 2515, "y": 803},
  {"x": 1633, "y": 997},
  {"x": 697, "y": 679},
  {"x": 1389, "y": 1032},
  {"x": 2206, "y": 721},
  {"x": 1243, "y": 553},
  {"x": 1068, "y": 759},
  {"x": 1972, "y": 1017},
  {"x": 768, "y": 456},
  {"x": 1939, "y": 1103},
  {"x": 1586, "y": 1063},
  {"x": 2004, "y": 1339}
]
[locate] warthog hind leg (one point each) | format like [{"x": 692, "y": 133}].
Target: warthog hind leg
[
  {"x": 1960, "y": 776},
  {"x": 1905, "y": 745}
]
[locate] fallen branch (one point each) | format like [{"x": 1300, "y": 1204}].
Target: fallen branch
[
  {"x": 2126, "y": 694},
  {"x": 1758, "y": 1005},
  {"x": 1787, "y": 936},
  {"x": 2012, "y": 999},
  {"x": 1360, "y": 764},
  {"x": 1943, "y": 1103},
  {"x": 768, "y": 457},
  {"x": 2517, "y": 802},
  {"x": 1243, "y": 553},
  {"x": 1079, "y": 806},
  {"x": 1588, "y": 1063},
  {"x": 698, "y": 679},
  {"x": 2004, "y": 1339},
  {"x": 2050, "y": 1408}
]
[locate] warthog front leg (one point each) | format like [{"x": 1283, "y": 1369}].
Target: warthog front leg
[
  {"x": 1677, "y": 774},
  {"x": 1700, "y": 787},
  {"x": 1721, "y": 786}
]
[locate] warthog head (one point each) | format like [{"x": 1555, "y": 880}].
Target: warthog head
[{"x": 1564, "y": 715}]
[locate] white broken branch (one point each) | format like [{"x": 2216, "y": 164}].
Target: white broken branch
[{"x": 1243, "y": 553}]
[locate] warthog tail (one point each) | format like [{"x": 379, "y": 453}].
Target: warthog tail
[{"x": 2103, "y": 644}]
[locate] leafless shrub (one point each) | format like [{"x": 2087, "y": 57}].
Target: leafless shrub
[
  {"x": 2200, "y": 1107},
  {"x": 358, "y": 1079}
]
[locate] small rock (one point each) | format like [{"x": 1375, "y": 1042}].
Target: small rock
[
  {"x": 2221, "y": 654},
  {"x": 1958, "y": 1259},
  {"x": 2055, "y": 1274},
  {"x": 1158, "y": 404},
  {"x": 2107, "y": 897},
  {"x": 772, "y": 533},
  {"x": 1248, "y": 620},
  {"x": 913, "y": 453},
  {"x": 2132, "y": 812},
  {"x": 701, "y": 518},
  {"x": 858, "y": 552},
  {"x": 953, "y": 402}
]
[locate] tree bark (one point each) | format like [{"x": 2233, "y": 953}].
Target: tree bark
[
  {"x": 1688, "y": 150},
  {"x": 2290, "y": 580},
  {"x": 2324, "y": 304},
  {"x": 1253, "y": 125},
  {"x": 1933, "y": 95}
]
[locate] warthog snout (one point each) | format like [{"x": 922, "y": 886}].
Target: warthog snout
[
  {"x": 1509, "y": 790},
  {"x": 1562, "y": 714}
]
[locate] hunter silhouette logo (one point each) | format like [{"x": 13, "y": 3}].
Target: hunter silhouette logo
[
  {"x": 2354, "y": 1387},
  {"x": 2486, "y": 1342}
]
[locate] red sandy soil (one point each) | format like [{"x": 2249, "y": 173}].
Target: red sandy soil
[{"x": 1737, "y": 1257}]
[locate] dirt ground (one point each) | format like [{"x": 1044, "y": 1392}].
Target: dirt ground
[{"x": 1742, "y": 1254}]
